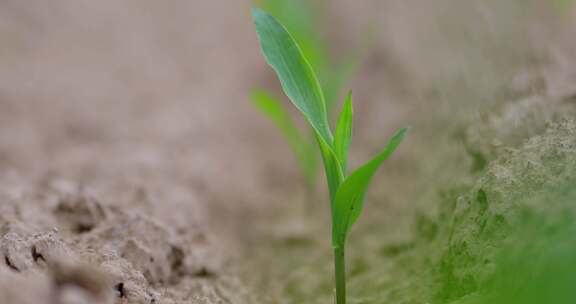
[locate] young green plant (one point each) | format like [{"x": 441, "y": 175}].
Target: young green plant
[
  {"x": 301, "y": 18},
  {"x": 300, "y": 84}
]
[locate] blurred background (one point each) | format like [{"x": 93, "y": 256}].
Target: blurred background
[{"x": 136, "y": 129}]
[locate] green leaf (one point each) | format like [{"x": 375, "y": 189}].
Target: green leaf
[
  {"x": 343, "y": 132},
  {"x": 294, "y": 72},
  {"x": 304, "y": 152},
  {"x": 301, "y": 86},
  {"x": 349, "y": 198},
  {"x": 334, "y": 173},
  {"x": 301, "y": 18}
]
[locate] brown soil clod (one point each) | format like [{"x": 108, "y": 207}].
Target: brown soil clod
[
  {"x": 81, "y": 213},
  {"x": 86, "y": 276}
]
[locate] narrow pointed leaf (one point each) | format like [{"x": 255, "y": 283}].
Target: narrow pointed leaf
[
  {"x": 349, "y": 198},
  {"x": 343, "y": 132},
  {"x": 303, "y": 150},
  {"x": 294, "y": 72},
  {"x": 334, "y": 173}
]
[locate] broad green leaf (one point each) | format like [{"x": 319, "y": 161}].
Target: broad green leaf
[
  {"x": 301, "y": 86},
  {"x": 294, "y": 72},
  {"x": 305, "y": 154},
  {"x": 349, "y": 198},
  {"x": 301, "y": 18},
  {"x": 343, "y": 132}
]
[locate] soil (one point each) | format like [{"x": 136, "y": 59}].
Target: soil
[{"x": 134, "y": 170}]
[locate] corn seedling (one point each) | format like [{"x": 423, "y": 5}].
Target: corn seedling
[
  {"x": 302, "y": 87},
  {"x": 301, "y": 17}
]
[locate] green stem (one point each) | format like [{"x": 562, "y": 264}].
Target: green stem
[{"x": 340, "y": 274}]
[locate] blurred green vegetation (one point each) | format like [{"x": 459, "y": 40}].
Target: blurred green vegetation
[
  {"x": 563, "y": 5},
  {"x": 505, "y": 239},
  {"x": 540, "y": 268}
]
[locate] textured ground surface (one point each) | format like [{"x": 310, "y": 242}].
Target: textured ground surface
[
  {"x": 133, "y": 169},
  {"x": 119, "y": 142}
]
